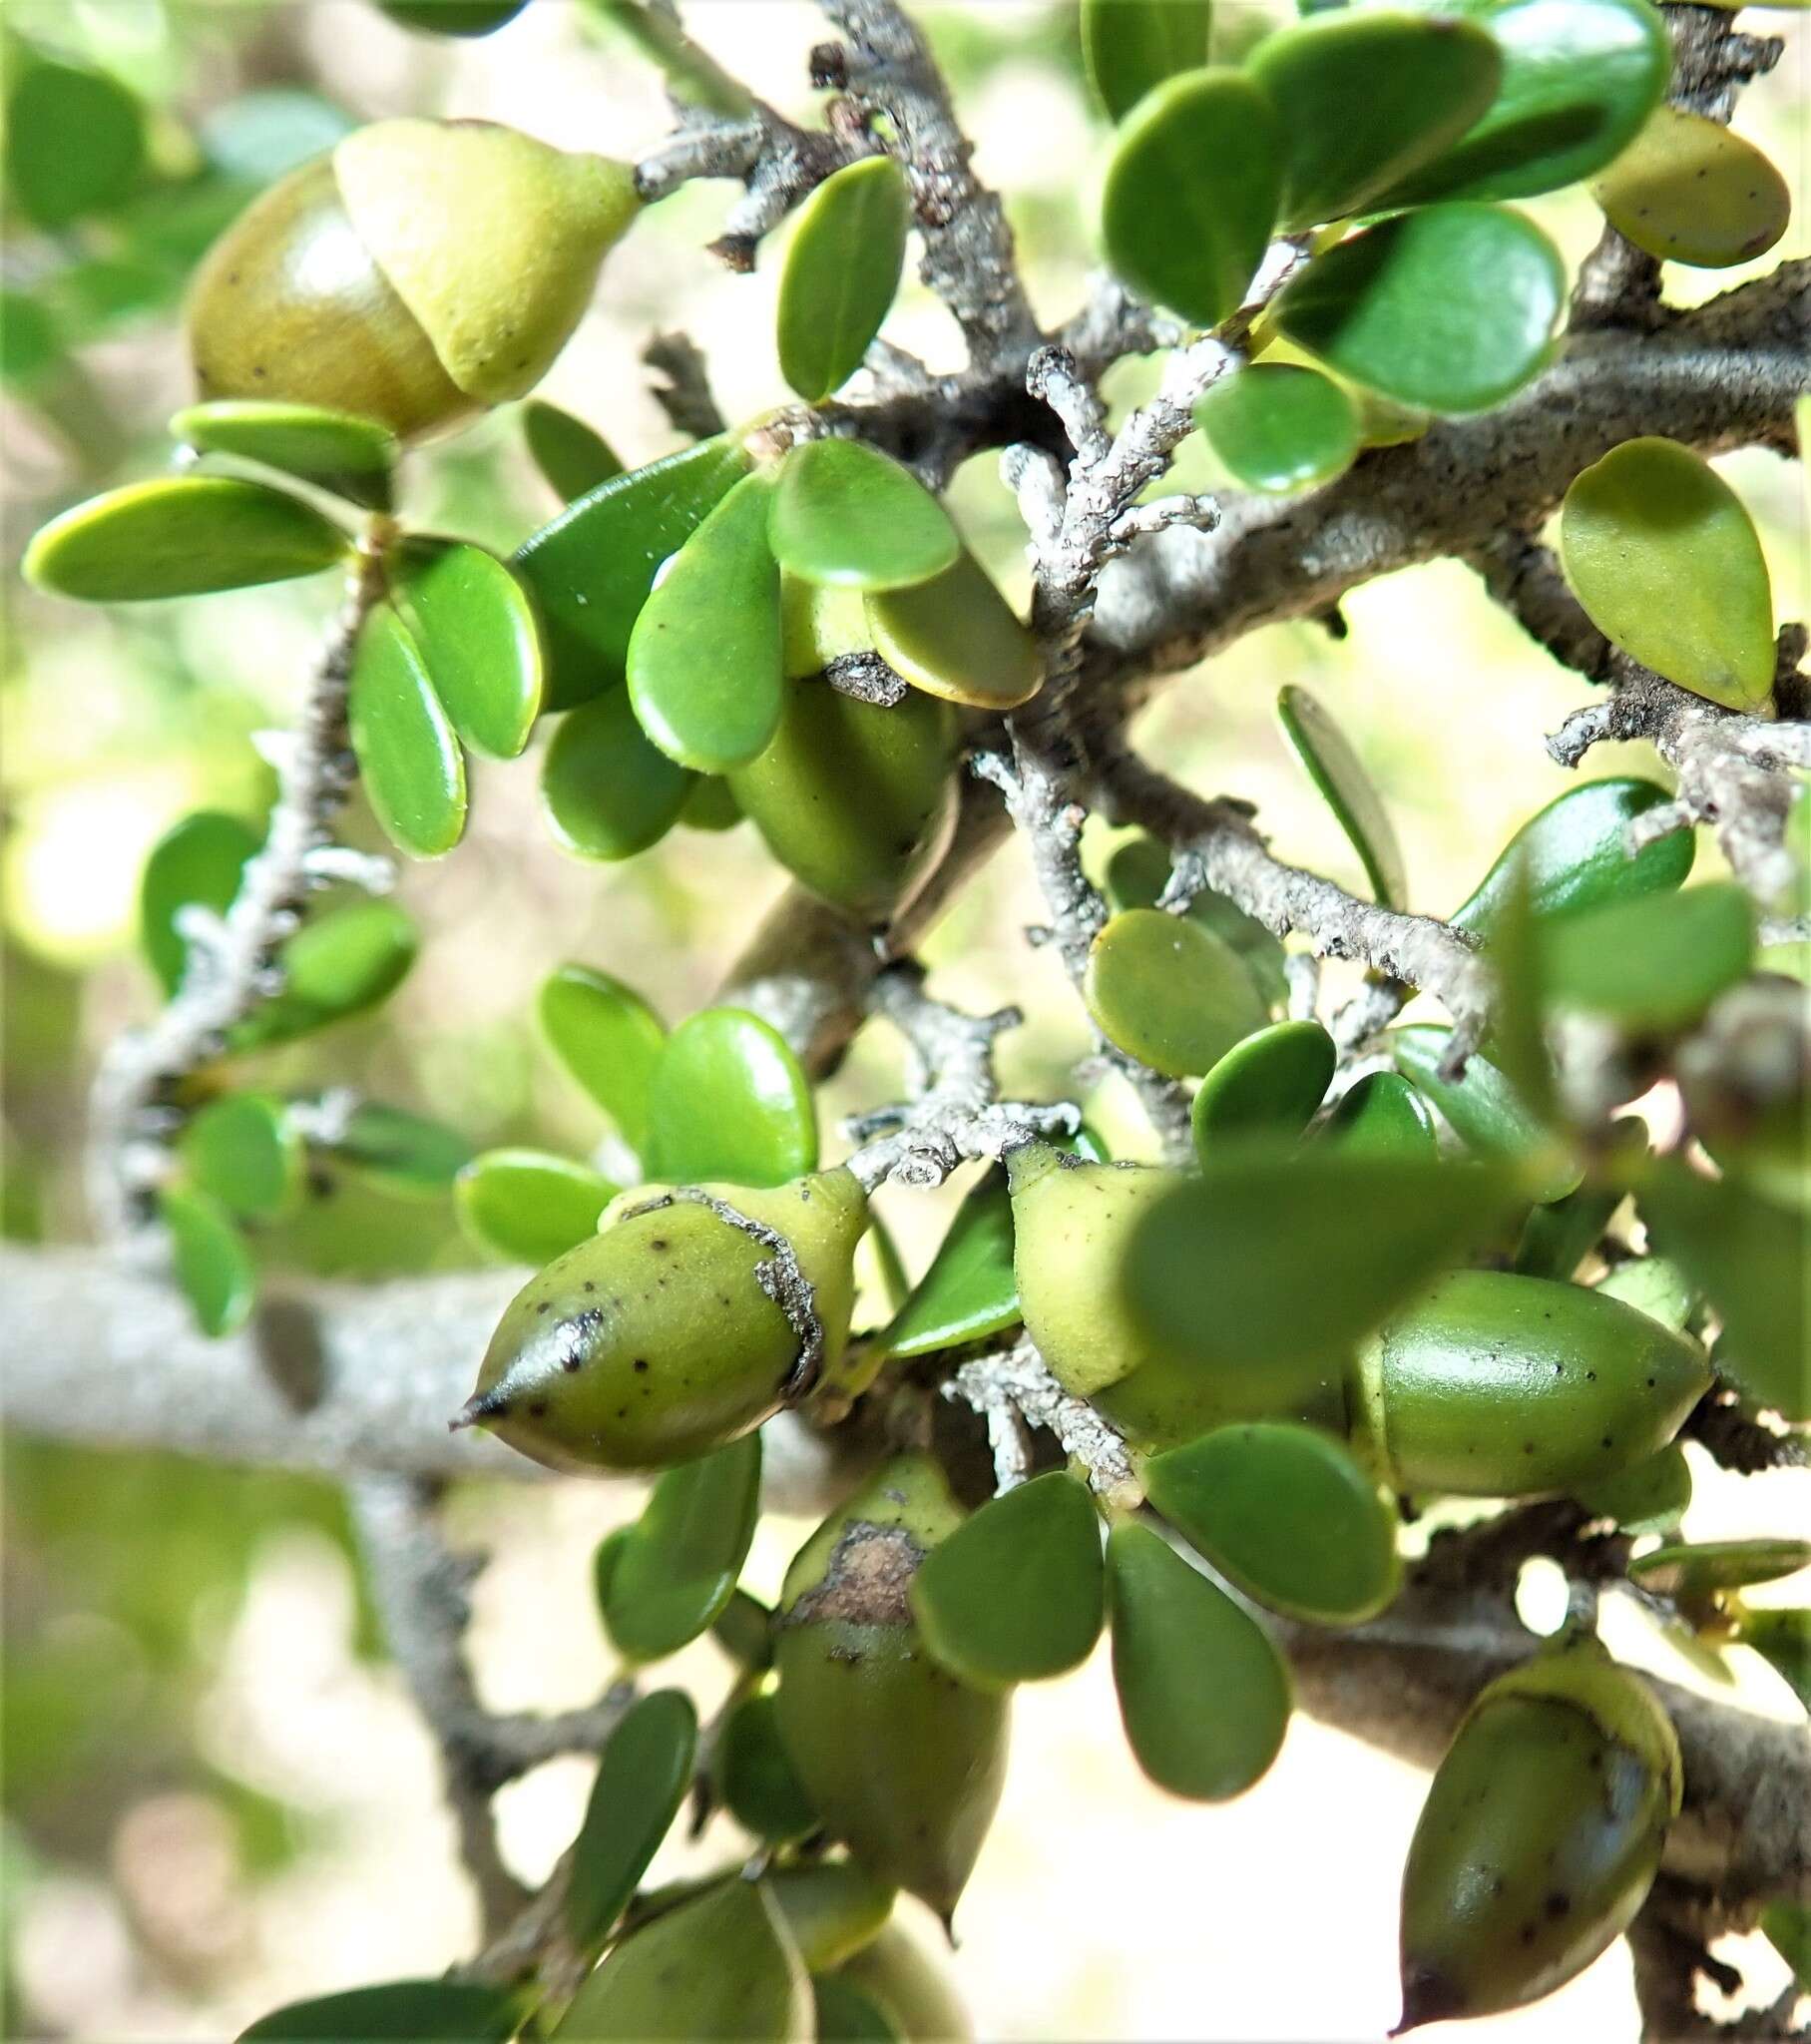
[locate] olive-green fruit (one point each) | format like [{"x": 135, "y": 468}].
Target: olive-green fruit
[
  {"x": 857, "y": 802},
  {"x": 423, "y": 271},
  {"x": 832, "y": 1907},
  {"x": 656, "y": 1343},
  {"x": 1497, "y": 1385},
  {"x": 1072, "y": 1222},
  {"x": 904, "y": 1762},
  {"x": 910, "y": 1988},
  {"x": 1541, "y": 1836}
]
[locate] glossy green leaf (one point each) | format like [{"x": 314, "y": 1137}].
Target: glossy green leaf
[
  {"x": 728, "y": 1100},
  {"x": 1135, "y": 877},
  {"x": 1016, "y": 1593},
  {"x": 1336, "y": 769},
  {"x": 1579, "y": 79},
  {"x": 406, "y": 1155},
  {"x": 212, "y": 1263},
  {"x": 1690, "y": 1571},
  {"x": 1367, "y": 97},
  {"x": 1132, "y": 45},
  {"x": 572, "y": 458},
  {"x": 607, "y": 792},
  {"x": 914, "y": 1993},
  {"x": 833, "y": 1909},
  {"x": 957, "y": 636},
  {"x": 1748, "y": 1258},
  {"x": 1169, "y": 992},
  {"x": 745, "y": 1629},
  {"x": 1382, "y": 1116},
  {"x": 529, "y": 1206},
  {"x": 608, "y": 1038},
  {"x": 678, "y": 1568},
  {"x": 472, "y": 626},
  {"x": 1654, "y": 963},
  {"x": 710, "y": 805},
  {"x": 409, "y": 761},
  {"x": 1214, "y": 1273},
  {"x": 1691, "y": 190},
  {"x": 1192, "y": 192},
  {"x": 397, "y": 2012},
  {"x": 1654, "y": 1285},
  {"x": 1649, "y": 1498},
  {"x": 1448, "y": 310},
  {"x": 1271, "y": 1084},
  {"x": 842, "y": 274},
  {"x": 75, "y": 140},
  {"x": 180, "y": 536},
  {"x": 1664, "y": 558},
  {"x": 1285, "y": 1513},
  {"x": 453, "y": 17},
  {"x": 1204, "y": 1693},
  {"x": 351, "y": 456},
  {"x": 334, "y": 967},
  {"x": 755, "y": 1777},
  {"x": 847, "y": 2014},
  {"x": 1576, "y": 856},
  {"x": 969, "y": 1291},
  {"x": 641, "y": 1780},
  {"x": 1783, "y": 1639},
  {"x": 1517, "y": 1040},
  {"x": 244, "y": 1151},
  {"x": 197, "y": 863},
  {"x": 1486, "y": 1112},
  {"x": 705, "y": 671},
  {"x": 590, "y": 569},
  {"x": 846, "y": 514},
  {"x": 721, "y": 1966},
  {"x": 1276, "y": 426}
]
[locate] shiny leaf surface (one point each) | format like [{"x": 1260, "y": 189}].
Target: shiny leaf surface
[
  {"x": 607, "y": 792},
  {"x": 680, "y": 1564},
  {"x": 475, "y": 631},
  {"x": 530, "y": 1205},
  {"x": 728, "y": 1100},
  {"x": 846, "y": 514},
  {"x": 608, "y": 1038},
  {"x": 1169, "y": 992},
  {"x": 409, "y": 761},
  {"x": 1336, "y": 769},
  {"x": 841, "y": 275},
  {"x": 641, "y": 1780}
]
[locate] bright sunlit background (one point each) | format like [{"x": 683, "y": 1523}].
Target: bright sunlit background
[{"x": 217, "y": 1794}]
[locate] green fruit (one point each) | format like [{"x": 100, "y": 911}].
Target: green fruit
[
  {"x": 422, "y": 271},
  {"x": 832, "y": 1908},
  {"x": 1072, "y": 1222},
  {"x": 857, "y": 802},
  {"x": 909, "y": 1988},
  {"x": 1497, "y": 1385},
  {"x": 904, "y": 1762},
  {"x": 655, "y": 1343},
  {"x": 1541, "y": 1836}
]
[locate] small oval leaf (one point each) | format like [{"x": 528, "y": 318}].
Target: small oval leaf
[
  {"x": 197, "y": 863},
  {"x": 844, "y": 513},
  {"x": 1192, "y": 192},
  {"x": 334, "y": 968},
  {"x": 1664, "y": 558},
  {"x": 244, "y": 1151},
  {"x": 529, "y": 1206},
  {"x": 397, "y": 2012},
  {"x": 1382, "y": 1116},
  {"x": 707, "y": 674},
  {"x": 1271, "y": 1084},
  {"x": 1286, "y": 1514},
  {"x": 409, "y": 761},
  {"x": 1336, "y": 769},
  {"x": 475, "y": 632},
  {"x": 841, "y": 275},
  {"x": 956, "y": 636},
  {"x": 728, "y": 1100},
  {"x": 1362, "y": 307},
  {"x": 1132, "y": 45},
  {"x": 180, "y": 536},
  {"x": 679, "y": 1566},
  {"x": 607, "y": 792},
  {"x": 1204, "y": 1693},
  {"x": 74, "y": 139},
  {"x": 969, "y": 1291},
  {"x": 755, "y": 1777},
  {"x": 1015, "y": 1593},
  {"x": 1690, "y": 190},
  {"x": 572, "y": 458},
  {"x": 212, "y": 1263},
  {"x": 406, "y": 1155},
  {"x": 1169, "y": 992},
  {"x": 351, "y": 456},
  {"x": 1277, "y": 426},
  {"x": 641, "y": 1780},
  {"x": 608, "y": 1038}
]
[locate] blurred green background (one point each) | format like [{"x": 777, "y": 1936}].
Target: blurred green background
[{"x": 215, "y": 1795}]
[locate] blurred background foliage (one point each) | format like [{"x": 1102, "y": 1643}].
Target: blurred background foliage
[{"x": 201, "y": 1750}]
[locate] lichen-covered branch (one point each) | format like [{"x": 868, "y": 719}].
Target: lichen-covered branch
[{"x": 1017, "y": 1383}]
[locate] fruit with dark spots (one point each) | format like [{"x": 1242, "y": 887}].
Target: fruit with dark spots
[
  {"x": 656, "y": 1376},
  {"x": 1493, "y": 1385},
  {"x": 1539, "y": 1837},
  {"x": 903, "y": 1762}
]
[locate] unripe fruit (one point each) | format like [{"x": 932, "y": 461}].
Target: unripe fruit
[
  {"x": 1541, "y": 1836},
  {"x": 1072, "y": 1222},
  {"x": 910, "y": 1990},
  {"x": 655, "y": 1343},
  {"x": 423, "y": 271},
  {"x": 856, "y": 800},
  {"x": 1496, "y": 1385},
  {"x": 904, "y": 1762}
]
